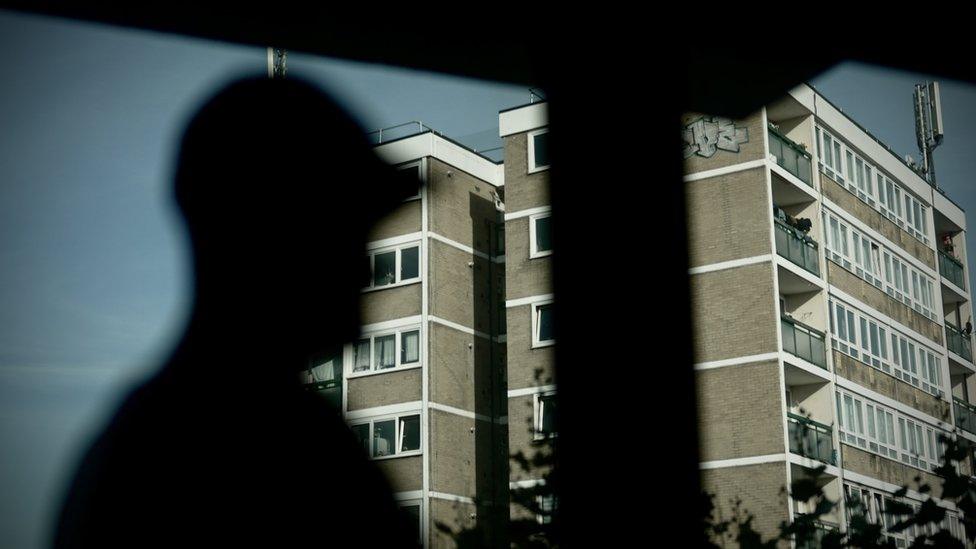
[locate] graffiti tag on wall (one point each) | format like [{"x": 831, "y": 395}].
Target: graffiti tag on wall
[{"x": 709, "y": 134}]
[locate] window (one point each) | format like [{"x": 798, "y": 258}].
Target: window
[
  {"x": 411, "y": 508},
  {"x": 543, "y": 333},
  {"x": 324, "y": 377},
  {"x": 547, "y": 504},
  {"x": 545, "y": 415},
  {"x": 386, "y": 350},
  {"x": 859, "y": 176},
  {"x": 415, "y": 172},
  {"x": 389, "y": 436},
  {"x": 539, "y": 150},
  {"x": 540, "y": 235},
  {"x": 391, "y": 266}
]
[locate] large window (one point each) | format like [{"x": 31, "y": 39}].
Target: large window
[
  {"x": 386, "y": 350},
  {"x": 394, "y": 265},
  {"x": 885, "y": 431},
  {"x": 855, "y": 251},
  {"x": 882, "y": 347},
  {"x": 543, "y": 332},
  {"x": 540, "y": 235},
  {"x": 389, "y": 436},
  {"x": 857, "y": 175},
  {"x": 539, "y": 150},
  {"x": 545, "y": 415},
  {"x": 414, "y": 172},
  {"x": 412, "y": 509}
]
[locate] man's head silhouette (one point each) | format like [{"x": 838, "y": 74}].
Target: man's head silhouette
[{"x": 279, "y": 188}]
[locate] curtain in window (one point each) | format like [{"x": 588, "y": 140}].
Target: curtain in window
[
  {"x": 361, "y": 360},
  {"x": 385, "y": 352},
  {"x": 410, "y": 347}
]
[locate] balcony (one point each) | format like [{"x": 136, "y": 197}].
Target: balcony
[
  {"x": 797, "y": 247},
  {"x": 790, "y": 156},
  {"x": 803, "y": 341},
  {"x": 958, "y": 342},
  {"x": 811, "y": 439},
  {"x": 965, "y": 415},
  {"x": 952, "y": 269}
]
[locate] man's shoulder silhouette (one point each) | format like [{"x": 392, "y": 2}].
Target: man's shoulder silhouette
[{"x": 278, "y": 188}]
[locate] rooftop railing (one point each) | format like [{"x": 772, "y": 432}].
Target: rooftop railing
[
  {"x": 958, "y": 342},
  {"x": 811, "y": 439},
  {"x": 790, "y": 156},
  {"x": 803, "y": 341},
  {"x": 965, "y": 415},
  {"x": 795, "y": 246},
  {"x": 952, "y": 269}
]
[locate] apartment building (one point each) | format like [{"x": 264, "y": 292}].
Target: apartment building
[
  {"x": 529, "y": 307},
  {"x": 423, "y": 387},
  {"x": 829, "y": 290}
]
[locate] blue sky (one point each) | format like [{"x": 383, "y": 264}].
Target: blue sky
[{"x": 94, "y": 277}]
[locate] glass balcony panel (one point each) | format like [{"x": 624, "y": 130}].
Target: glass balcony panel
[
  {"x": 810, "y": 439},
  {"x": 789, "y": 343},
  {"x": 790, "y": 156},
  {"x": 952, "y": 270},
  {"x": 958, "y": 343},
  {"x": 794, "y": 246}
]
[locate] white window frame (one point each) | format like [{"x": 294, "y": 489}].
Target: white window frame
[
  {"x": 537, "y": 412},
  {"x": 533, "y": 248},
  {"x": 422, "y": 168},
  {"x": 539, "y": 501},
  {"x": 372, "y": 253},
  {"x": 531, "y": 145},
  {"x": 536, "y": 342},
  {"x": 890, "y": 198},
  {"x": 397, "y": 435},
  {"x": 349, "y": 358},
  {"x": 419, "y": 503}
]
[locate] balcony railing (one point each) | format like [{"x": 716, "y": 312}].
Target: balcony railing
[
  {"x": 958, "y": 342},
  {"x": 790, "y": 156},
  {"x": 952, "y": 269},
  {"x": 811, "y": 439},
  {"x": 820, "y": 531},
  {"x": 803, "y": 341},
  {"x": 793, "y": 245},
  {"x": 965, "y": 415}
]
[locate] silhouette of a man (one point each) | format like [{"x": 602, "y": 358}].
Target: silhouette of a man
[{"x": 223, "y": 448}]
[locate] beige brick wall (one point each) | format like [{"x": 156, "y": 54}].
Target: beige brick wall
[
  {"x": 739, "y": 411},
  {"x": 523, "y": 276},
  {"x": 382, "y": 389},
  {"x": 521, "y": 440},
  {"x": 390, "y": 303},
  {"x": 460, "y": 205},
  {"x": 458, "y": 292},
  {"x": 454, "y": 515},
  {"x": 753, "y": 150},
  {"x": 527, "y": 367},
  {"x": 460, "y": 373},
  {"x": 454, "y": 465},
  {"x": 872, "y": 218},
  {"x": 404, "y": 473},
  {"x": 887, "y": 470},
  {"x": 889, "y": 386},
  {"x": 880, "y": 301},
  {"x": 728, "y": 217},
  {"x": 405, "y": 219},
  {"x": 733, "y": 312},
  {"x": 759, "y": 487},
  {"x": 522, "y": 189}
]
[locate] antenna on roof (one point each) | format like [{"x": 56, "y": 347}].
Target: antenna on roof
[
  {"x": 277, "y": 62},
  {"x": 928, "y": 126}
]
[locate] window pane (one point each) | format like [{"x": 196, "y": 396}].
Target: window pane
[
  {"x": 383, "y": 438},
  {"x": 543, "y": 234},
  {"x": 362, "y": 436},
  {"x": 541, "y": 144},
  {"x": 410, "y": 347},
  {"x": 409, "y": 263},
  {"x": 409, "y": 433},
  {"x": 547, "y": 421},
  {"x": 544, "y": 322},
  {"x": 361, "y": 359},
  {"x": 385, "y": 354},
  {"x": 384, "y": 269}
]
